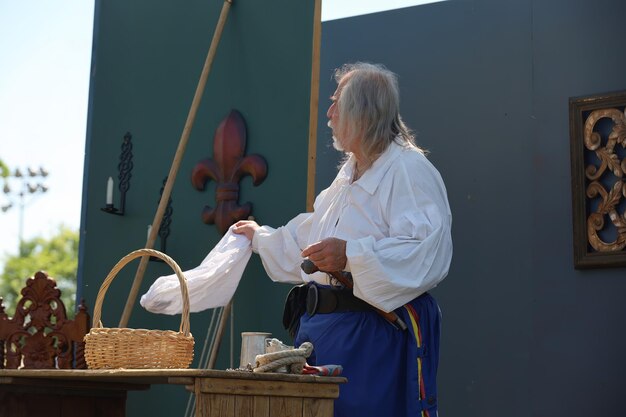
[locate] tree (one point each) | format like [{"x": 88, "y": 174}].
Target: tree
[
  {"x": 4, "y": 170},
  {"x": 58, "y": 256}
]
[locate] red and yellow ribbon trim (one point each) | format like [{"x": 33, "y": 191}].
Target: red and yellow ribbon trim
[{"x": 418, "y": 339}]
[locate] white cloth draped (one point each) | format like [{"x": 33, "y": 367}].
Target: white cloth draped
[{"x": 211, "y": 284}]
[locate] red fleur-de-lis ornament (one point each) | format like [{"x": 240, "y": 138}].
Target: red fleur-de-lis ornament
[{"x": 226, "y": 168}]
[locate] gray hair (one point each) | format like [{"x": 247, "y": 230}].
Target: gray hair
[{"x": 369, "y": 107}]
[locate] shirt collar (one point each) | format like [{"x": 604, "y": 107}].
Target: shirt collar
[{"x": 371, "y": 179}]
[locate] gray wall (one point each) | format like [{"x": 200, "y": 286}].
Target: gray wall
[{"x": 485, "y": 84}]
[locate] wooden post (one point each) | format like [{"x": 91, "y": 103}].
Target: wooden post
[
  {"x": 180, "y": 151},
  {"x": 219, "y": 334},
  {"x": 314, "y": 104}
]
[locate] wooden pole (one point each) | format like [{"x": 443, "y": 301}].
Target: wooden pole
[
  {"x": 180, "y": 151},
  {"x": 219, "y": 333},
  {"x": 314, "y": 104}
]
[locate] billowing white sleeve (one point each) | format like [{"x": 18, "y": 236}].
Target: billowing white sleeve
[
  {"x": 416, "y": 255},
  {"x": 280, "y": 249}
]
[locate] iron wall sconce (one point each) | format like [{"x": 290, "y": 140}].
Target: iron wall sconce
[
  {"x": 124, "y": 168},
  {"x": 164, "y": 229}
]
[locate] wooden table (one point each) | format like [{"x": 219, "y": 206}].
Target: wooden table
[{"x": 87, "y": 393}]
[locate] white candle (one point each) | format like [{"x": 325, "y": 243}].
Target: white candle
[
  {"x": 110, "y": 191},
  {"x": 149, "y": 230}
]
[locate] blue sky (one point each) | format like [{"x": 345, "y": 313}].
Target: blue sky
[
  {"x": 45, "y": 53},
  {"x": 337, "y": 9}
]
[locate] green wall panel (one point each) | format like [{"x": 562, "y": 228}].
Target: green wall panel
[{"x": 147, "y": 59}]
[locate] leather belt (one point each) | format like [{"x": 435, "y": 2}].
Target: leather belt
[{"x": 333, "y": 300}]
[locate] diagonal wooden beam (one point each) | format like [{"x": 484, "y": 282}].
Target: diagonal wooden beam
[{"x": 180, "y": 151}]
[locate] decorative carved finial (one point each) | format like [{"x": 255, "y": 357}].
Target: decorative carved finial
[
  {"x": 40, "y": 335},
  {"x": 227, "y": 167}
]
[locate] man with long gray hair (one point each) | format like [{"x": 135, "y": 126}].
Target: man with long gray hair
[{"x": 383, "y": 229}]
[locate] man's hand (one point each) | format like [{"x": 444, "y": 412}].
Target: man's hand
[
  {"x": 328, "y": 255},
  {"x": 246, "y": 227}
]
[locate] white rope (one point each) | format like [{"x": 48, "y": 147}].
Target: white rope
[{"x": 294, "y": 358}]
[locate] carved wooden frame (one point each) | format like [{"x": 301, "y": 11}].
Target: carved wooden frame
[
  {"x": 40, "y": 336},
  {"x": 598, "y": 161}
]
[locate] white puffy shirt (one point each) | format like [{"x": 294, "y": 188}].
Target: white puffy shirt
[{"x": 395, "y": 218}]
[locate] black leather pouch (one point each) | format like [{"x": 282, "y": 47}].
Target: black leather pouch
[{"x": 295, "y": 307}]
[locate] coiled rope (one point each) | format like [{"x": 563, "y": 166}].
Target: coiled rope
[{"x": 295, "y": 359}]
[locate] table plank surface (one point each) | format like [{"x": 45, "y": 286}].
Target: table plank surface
[
  {"x": 158, "y": 376},
  {"x": 218, "y": 393}
]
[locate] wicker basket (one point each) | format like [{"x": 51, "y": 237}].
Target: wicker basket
[{"x": 110, "y": 348}]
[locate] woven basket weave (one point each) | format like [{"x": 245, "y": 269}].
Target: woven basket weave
[{"x": 110, "y": 348}]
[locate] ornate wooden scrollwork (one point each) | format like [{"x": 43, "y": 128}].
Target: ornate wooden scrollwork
[
  {"x": 598, "y": 126},
  {"x": 610, "y": 163},
  {"x": 227, "y": 167},
  {"x": 40, "y": 336}
]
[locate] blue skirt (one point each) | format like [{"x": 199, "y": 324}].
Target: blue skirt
[{"x": 390, "y": 372}]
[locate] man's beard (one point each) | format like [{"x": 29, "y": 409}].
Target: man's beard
[{"x": 336, "y": 142}]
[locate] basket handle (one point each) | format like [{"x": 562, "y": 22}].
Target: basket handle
[{"x": 184, "y": 324}]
